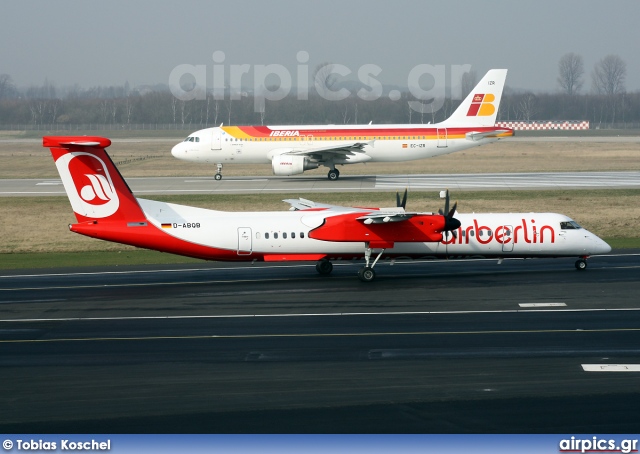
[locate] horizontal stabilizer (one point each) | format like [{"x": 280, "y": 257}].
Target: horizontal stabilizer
[{"x": 475, "y": 135}]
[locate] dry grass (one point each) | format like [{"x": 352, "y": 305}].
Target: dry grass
[
  {"x": 144, "y": 158},
  {"x": 40, "y": 224}
]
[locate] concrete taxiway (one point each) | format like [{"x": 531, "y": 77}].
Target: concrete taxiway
[{"x": 347, "y": 183}]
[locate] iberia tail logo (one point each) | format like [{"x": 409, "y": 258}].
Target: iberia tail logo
[
  {"x": 88, "y": 184},
  {"x": 482, "y": 105}
]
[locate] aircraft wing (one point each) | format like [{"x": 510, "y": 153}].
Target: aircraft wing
[
  {"x": 304, "y": 204},
  {"x": 342, "y": 149},
  {"x": 383, "y": 217},
  {"x": 369, "y": 216}
]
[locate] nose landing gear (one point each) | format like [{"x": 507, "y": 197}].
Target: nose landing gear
[{"x": 218, "y": 175}]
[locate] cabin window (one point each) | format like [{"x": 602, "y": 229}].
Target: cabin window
[
  {"x": 266, "y": 235},
  {"x": 275, "y": 235},
  {"x": 257, "y": 235},
  {"x": 301, "y": 234},
  {"x": 471, "y": 233},
  {"x": 293, "y": 235},
  {"x": 284, "y": 235}
]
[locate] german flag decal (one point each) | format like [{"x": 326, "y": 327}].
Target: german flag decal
[{"x": 166, "y": 226}]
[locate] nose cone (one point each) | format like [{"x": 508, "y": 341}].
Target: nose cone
[
  {"x": 600, "y": 246},
  {"x": 176, "y": 151},
  {"x": 596, "y": 245}
]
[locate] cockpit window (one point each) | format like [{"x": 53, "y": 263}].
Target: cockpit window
[{"x": 569, "y": 225}]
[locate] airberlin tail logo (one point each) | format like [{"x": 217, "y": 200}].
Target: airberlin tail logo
[
  {"x": 88, "y": 184},
  {"x": 482, "y": 105}
]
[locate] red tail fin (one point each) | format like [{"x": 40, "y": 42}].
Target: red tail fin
[{"x": 93, "y": 184}]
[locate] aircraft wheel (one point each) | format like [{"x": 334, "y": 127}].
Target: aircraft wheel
[
  {"x": 581, "y": 264},
  {"x": 218, "y": 176},
  {"x": 366, "y": 274},
  {"x": 324, "y": 267},
  {"x": 333, "y": 174}
]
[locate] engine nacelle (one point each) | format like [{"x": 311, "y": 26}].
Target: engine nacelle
[{"x": 285, "y": 165}]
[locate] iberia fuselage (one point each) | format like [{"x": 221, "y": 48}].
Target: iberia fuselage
[
  {"x": 293, "y": 149},
  {"x": 265, "y": 144}
]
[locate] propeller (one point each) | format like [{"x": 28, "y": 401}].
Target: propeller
[
  {"x": 451, "y": 224},
  {"x": 402, "y": 204}
]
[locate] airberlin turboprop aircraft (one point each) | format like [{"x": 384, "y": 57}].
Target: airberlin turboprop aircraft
[
  {"x": 293, "y": 149},
  {"x": 106, "y": 208}
]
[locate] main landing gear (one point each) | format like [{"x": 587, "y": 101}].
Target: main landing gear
[
  {"x": 218, "y": 175},
  {"x": 366, "y": 274},
  {"x": 333, "y": 174},
  {"x": 324, "y": 267}
]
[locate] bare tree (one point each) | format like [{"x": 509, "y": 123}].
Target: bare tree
[
  {"x": 571, "y": 70},
  {"x": 609, "y": 75},
  {"x": 128, "y": 109},
  {"x": 527, "y": 106},
  {"x": 6, "y": 86}
]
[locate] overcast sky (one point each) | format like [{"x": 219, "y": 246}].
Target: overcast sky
[{"x": 109, "y": 42}]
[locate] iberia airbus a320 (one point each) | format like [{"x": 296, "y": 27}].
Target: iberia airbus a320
[
  {"x": 293, "y": 149},
  {"x": 105, "y": 208}
]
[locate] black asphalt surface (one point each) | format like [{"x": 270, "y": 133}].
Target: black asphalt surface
[{"x": 429, "y": 347}]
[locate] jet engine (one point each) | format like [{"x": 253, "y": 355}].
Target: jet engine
[{"x": 285, "y": 165}]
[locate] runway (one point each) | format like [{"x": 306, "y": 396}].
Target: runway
[
  {"x": 458, "y": 346},
  {"x": 346, "y": 183}
]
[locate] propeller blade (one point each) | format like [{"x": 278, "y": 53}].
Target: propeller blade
[
  {"x": 451, "y": 224},
  {"x": 402, "y": 204},
  {"x": 446, "y": 202},
  {"x": 453, "y": 210}
]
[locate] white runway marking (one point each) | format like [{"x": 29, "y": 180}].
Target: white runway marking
[
  {"x": 541, "y": 304},
  {"x": 512, "y": 180},
  {"x": 611, "y": 367},
  {"x": 330, "y": 314}
]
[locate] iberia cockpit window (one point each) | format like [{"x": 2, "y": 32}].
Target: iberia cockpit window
[
  {"x": 569, "y": 225},
  {"x": 192, "y": 139}
]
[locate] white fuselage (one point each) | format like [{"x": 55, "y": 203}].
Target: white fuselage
[{"x": 258, "y": 235}]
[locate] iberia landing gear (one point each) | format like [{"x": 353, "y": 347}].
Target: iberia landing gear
[
  {"x": 218, "y": 175},
  {"x": 366, "y": 274},
  {"x": 333, "y": 174}
]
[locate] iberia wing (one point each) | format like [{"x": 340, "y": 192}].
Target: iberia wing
[{"x": 341, "y": 149}]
